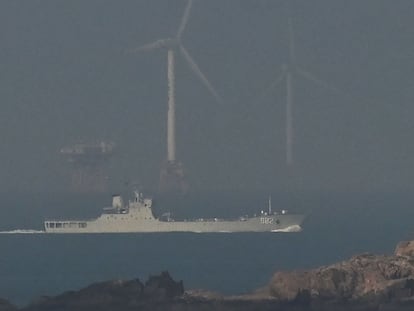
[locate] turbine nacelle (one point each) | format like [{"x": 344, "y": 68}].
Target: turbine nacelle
[
  {"x": 175, "y": 44},
  {"x": 169, "y": 43}
]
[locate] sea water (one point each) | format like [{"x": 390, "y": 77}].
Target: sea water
[{"x": 35, "y": 264}]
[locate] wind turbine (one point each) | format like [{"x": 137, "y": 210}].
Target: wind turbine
[
  {"x": 289, "y": 71},
  {"x": 172, "y": 173}
]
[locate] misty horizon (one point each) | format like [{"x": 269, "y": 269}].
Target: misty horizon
[{"x": 66, "y": 78}]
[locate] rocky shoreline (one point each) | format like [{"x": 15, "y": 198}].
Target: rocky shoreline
[{"x": 364, "y": 282}]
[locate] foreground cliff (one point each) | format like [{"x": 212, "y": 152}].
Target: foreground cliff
[
  {"x": 363, "y": 278},
  {"x": 364, "y": 282},
  {"x": 155, "y": 294}
]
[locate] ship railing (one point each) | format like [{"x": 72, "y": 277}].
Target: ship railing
[{"x": 65, "y": 224}]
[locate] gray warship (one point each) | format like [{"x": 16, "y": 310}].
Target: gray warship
[{"x": 137, "y": 216}]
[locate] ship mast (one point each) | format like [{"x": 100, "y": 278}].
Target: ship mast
[{"x": 270, "y": 205}]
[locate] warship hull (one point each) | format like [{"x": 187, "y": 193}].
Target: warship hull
[
  {"x": 137, "y": 217},
  {"x": 287, "y": 223}
]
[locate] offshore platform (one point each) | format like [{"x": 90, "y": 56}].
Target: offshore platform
[{"x": 88, "y": 165}]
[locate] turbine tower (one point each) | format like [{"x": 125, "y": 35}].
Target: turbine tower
[
  {"x": 172, "y": 173},
  {"x": 289, "y": 71}
]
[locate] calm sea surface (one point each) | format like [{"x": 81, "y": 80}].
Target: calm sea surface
[{"x": 338, "y": 226}]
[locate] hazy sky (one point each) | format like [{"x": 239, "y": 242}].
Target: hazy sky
[{"x": 65, "y": 78}]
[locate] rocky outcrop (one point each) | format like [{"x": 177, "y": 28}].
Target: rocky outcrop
[
  {"x": 116, "y": 295},
  {"x": 6, "y": 306},
  {"x": 162, "y": 287},
  {"x": 405, "y": 248},
  {"x": 364, "y": 277}
]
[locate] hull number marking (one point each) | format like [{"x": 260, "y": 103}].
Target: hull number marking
[{"x": 266, "y": 220}]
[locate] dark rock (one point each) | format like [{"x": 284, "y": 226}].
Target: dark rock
[
  {"x": 303, "y": 298},
  {"x": 163, "y": 287},
  {"x": 6, "y": 306},
  {"x": 115, "y": 295}
]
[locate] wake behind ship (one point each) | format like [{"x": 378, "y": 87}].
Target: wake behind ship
[{"x": 137, "y": 216}]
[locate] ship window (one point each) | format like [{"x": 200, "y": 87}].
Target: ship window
[
  {"x": 82, "y": 225},
  {"x": 58, "y": 225},
  {"x": 51, "y": 225}
]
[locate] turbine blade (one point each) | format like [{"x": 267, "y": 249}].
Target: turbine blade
[
  {"x": 184, "y": 20},
  {"x": 309, "y": 76},
  {"x": 277, "y": 81},
  {"x": 272, "y": 86},
  {"x": 149, "y": 46},
  {"x": 199, "y": 74}
]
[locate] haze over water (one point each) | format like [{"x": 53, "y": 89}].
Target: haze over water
[{"x": 66, "y": 78}]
